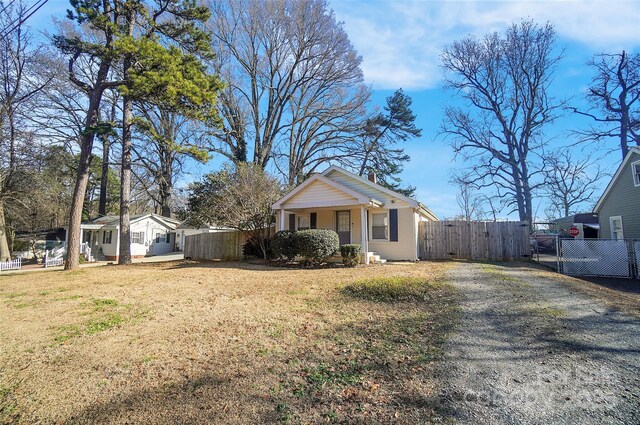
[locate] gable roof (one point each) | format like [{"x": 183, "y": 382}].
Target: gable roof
[
  {"x": 361, "y": 198},
  {"x": 375, "y": 186},
  {"x": 623, "y": 165},
  {"x": 114, "y": 220},
  {"x": 373, "y": 190}
]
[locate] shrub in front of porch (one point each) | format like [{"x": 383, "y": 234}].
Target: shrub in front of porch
[
  {"x": 351, "y": 254},
  {"x": 316, "y": 245},
  {"x": 283, "y": 245}
]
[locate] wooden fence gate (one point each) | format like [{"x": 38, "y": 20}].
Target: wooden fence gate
[
  {"x": 474, "y": 240},
  {"x": 214, "y": 246}
]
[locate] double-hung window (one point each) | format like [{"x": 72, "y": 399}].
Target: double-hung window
[
  {"x": 137, "y": 237},
  {"x": 635, "y": 169},
  {"x": 106, "y": 237},
  {"x": 616, "y": 227},
  {"x": 380, "y": 226},
  {"x": 303, "y": 221}
]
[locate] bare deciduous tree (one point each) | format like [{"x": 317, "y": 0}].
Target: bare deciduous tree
[
  {"x": 238, "y": 197},
  {"x": 505, "y": 82},
  {"x": 469, "y": 201},
  {"x": 615, "y": 99},
  {"x": 570, "y": 183},
  {"x": 22, "y": 79},
  {"x": 294, "y": 83}
]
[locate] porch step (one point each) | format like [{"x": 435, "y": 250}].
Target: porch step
[{"x": 374, "y": 258}]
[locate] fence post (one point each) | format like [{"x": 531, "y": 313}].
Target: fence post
[{"x": 558, "y": 254}]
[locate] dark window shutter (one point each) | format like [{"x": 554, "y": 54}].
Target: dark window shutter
[
  {"x": 313, "y": 220},
  {"x": 393, "y": 225},
  {"x": 292, "y": 222}
]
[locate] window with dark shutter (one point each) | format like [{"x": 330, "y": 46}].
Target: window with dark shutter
[
  {"x": 393, "y": 225},
  {"x": 313, "y": 220}
]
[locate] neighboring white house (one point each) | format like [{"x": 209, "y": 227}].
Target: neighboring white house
[
  {"x": 361, "y": 211},
  {"x": 184, "y": 230},
  {"x": 151, "y": 234}
]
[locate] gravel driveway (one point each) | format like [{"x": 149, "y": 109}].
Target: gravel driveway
[{"x": 531, "y": 350}]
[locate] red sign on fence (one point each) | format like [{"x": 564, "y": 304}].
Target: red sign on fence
[{"x": 574, "y": 231}]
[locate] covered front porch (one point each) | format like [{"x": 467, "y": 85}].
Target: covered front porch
[{"x": 350, "y": 222}]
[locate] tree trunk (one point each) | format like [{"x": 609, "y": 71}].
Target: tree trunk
[
  {"x": 79, "y": 191},
  {"x": 125, "y": 180},
  {"x": 124, "y": 256},
  {"x": 5, "y": 254},
  {"x": 82, "y": 176},
  {"x": 104, "y": 179}
]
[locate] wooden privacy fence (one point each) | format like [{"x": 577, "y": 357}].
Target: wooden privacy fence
[
  {"x": 474, "y": 240},
  {"x": 214, "y": 246}
]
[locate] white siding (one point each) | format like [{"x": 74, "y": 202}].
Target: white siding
[
  {"x": 319, "y": 194},
  {"x": 365, "y": 189}
]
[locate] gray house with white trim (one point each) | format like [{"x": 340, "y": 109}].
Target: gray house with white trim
[{"x": 618, "y": 208}]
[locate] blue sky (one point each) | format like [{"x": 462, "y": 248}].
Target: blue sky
[{"x": 400, "y": 42}]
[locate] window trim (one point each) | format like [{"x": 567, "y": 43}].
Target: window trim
[
  {"x": 611, "y": 220},
  {"x": 140, "y": 236},
  {"x": 635, "y": 174},
  {"x": 104, "y": 237},
  {"x": 299, "y": 216},
  {"x": 388, "y": 225}
]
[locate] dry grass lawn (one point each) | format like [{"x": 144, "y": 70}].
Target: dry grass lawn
[{"x": 190, "y": 342}]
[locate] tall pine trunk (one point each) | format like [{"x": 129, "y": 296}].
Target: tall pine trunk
[
  {"x": 125, "y": 179},
  {"x": 104, "y": 178},
  {"x": 80, "y": 189}
]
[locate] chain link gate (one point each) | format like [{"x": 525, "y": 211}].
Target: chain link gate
[{"x": 597, "y": 257}]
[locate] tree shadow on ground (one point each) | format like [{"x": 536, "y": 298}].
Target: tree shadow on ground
[{"x": 376, "y": 366}]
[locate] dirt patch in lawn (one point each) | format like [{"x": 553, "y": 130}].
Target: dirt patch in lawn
[{"x": 223, "y": 343}]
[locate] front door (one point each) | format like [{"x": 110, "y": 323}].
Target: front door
[{"x": 343, "y": 226}]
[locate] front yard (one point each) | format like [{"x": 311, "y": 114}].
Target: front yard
[{"x": 223, "y": 343}]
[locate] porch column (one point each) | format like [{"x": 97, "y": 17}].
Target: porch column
[
  {"x": 363, "y": 232},
  {"x": 281, "y": 218}
]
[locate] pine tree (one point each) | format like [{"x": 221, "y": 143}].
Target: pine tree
[{"x": 382, "y": 132}]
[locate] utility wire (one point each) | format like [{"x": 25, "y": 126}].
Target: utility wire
[{"x": 24, "y": 16}]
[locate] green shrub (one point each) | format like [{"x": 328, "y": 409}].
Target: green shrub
[
  {"x": 316, "y": 245},
  {"x": 351, "y": 254},
  {"x": 283, "y": 245}
]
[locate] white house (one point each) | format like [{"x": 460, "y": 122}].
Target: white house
[
  {"x": 151, "y": 234},
  {"x": 361, "y": 211}
]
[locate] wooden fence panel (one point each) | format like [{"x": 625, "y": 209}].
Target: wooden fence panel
[
  {"x": 214, "y": 246},
  {"x": 474, "y": 240}
]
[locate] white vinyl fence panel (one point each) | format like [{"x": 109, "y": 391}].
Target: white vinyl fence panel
[
  {"x": 595, "y": 257},
  {"x": 11, "y": 264}
]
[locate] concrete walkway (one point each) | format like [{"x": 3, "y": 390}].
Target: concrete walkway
[{"x": 172, "y": 256}]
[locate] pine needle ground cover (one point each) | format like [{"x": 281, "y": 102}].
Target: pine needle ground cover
[{"x": 223, "y": 343}]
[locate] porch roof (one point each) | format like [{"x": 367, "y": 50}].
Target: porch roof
[{"x": 347, "y": 196}]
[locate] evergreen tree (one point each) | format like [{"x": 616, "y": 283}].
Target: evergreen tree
[
  {"x": 379, "y": 135},
  {"x": 158, "y": 48}
]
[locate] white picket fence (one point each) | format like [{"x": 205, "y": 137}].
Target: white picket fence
[
  {"x": 53, "y": 262},
  {"x": 11, "y": 264}
]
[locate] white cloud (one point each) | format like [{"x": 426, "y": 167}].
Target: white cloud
[{"x": 401, "y": 40}]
